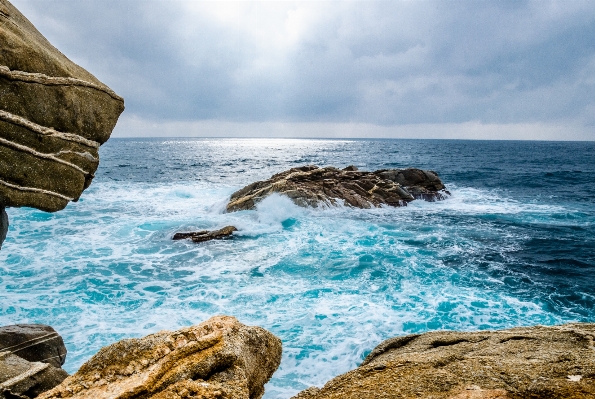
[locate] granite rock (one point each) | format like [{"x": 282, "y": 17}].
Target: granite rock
[
  {"x": 20, "y": 378},
  {"x": 314, "y": 186},
  {"x": 531, "y": 362},
  {"x": 33, "y": 342},
  {"x": 220, "y": 358},
  {"x": 54, "y": 115},
  {"x": 206, "y": 235}
]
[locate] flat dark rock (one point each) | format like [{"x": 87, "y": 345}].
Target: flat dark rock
[
  {"x": 22, "y": 379},
  {"x": 314, "y": 186},
  {"x": 33, "y": 342},
  {"x": 206, "y": 235}
]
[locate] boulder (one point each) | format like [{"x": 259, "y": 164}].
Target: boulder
[
  {"x": 206, "y": 235},
  {"x": 533, "y": 362},
  {"x": 3, "y": 225},
  {"x": 220, "y": 358},
  {"x": 314, "y": 186},
  {"x": 20, "y": 378},
  {"x": 33, "y": 342},
  {"x": 54, "y": 115}
]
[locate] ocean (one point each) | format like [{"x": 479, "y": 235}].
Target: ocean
[{"x": 514, "y": 245}]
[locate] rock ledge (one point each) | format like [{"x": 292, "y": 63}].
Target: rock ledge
[{"x": 530, "y": 362}]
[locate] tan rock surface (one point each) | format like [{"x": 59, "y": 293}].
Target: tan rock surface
[
  {"x": 313, "y": 186},
  {"x": 220, "y": 358},
  {"x": 54, "y": 115},
  {"x": 533, "y": 362}
]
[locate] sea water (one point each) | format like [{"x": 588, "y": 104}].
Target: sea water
[{"x": 514, "y": 245}]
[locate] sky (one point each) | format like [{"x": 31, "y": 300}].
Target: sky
[{"x": 403, "y": 69}]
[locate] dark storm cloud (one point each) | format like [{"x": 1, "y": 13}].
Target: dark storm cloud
[{"x": 383, "y": 63}]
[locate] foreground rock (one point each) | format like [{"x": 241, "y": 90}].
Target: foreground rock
[
  {"x": 54, "y": 115},
  {"x": 33, "y": 342},
  {"x": 3, "y": 225},
  {"x": 220, "y": 358},
  {"x": 206, "y": 235},
  {"x": 534, "y": 362},
  {"x": 20, "y": 378},
  {"x": 314, "y": 186}
]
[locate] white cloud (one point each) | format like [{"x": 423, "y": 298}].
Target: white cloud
[{"x": 370, "y": 63}]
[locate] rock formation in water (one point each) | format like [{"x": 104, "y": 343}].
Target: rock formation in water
[
  {"x": 206, "y": 235},
  {"x": 22, "y": 379},
  {"x": 34, "y": 343},
  {"x": 313, "y": 186},
  {"x": 534, "y": 362},
  {"x": 54, "y": 115},
  {"x": 220, "y": 358}
]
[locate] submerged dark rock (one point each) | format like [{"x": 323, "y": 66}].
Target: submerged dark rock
[
  {"x": 33, "y": 342},
  {"x": 528, "y": 362},
  {"x": 54, "y": 115},
  {"x": 20, "y": 378},
  {"x": 206, "y": 235},
  {"x": 314, "y": 186}
]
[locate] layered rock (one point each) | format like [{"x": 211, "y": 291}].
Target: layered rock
[
  {"x": 54, "y": 115},
  {"x": 220, "y": 358},
  {"x": 20, "y": 378},
  {"x": 314, "y": 186},
  {"x": 33, "y": 342},
  {"x": 206, "y": 235},
  {"x": 535, "y": 362}
]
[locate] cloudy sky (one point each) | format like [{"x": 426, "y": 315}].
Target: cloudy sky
[{"x": 429, "y": 69}]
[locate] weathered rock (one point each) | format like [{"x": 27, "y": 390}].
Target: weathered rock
[
  {"x": 33, "y": 342},
  {"x": 54, "y": 115},
  {"x": 535, "y": 362},
  {"x": 3, "y": 225},
  {"x": 20, "y": 378},
  {"x": 313, "y": 186},
  {"x": 220, "y": 358},
  {"x": 206, "y": 235}
]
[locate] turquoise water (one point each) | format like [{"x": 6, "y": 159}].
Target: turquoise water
[{"x": 514, "y": 245}]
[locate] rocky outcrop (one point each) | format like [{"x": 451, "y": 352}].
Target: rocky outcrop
[
  {"x": 3, "y": 224},
  {"x": 535, "y": 362},
  {"x": 54, "y": 115},
  {"x": 20, "y": 378},
  {"x": 33, "y": 342},
  {"x": 314, "y": 186},
  {"x": 206, "y": 235},
  {"x": 220, "y": 358}
]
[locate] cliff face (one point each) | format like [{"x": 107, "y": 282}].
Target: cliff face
[
  {"x": 532, "y": 362},
  {"x": 54, "y": 115}
]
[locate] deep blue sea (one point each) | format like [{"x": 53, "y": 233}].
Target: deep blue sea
[{"x": 513, "y": 246}]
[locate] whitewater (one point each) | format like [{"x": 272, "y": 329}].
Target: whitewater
[{"x": 514, "y": 245}]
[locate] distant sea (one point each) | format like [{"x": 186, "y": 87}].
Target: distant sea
[{"x": 513, "y": 246}]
